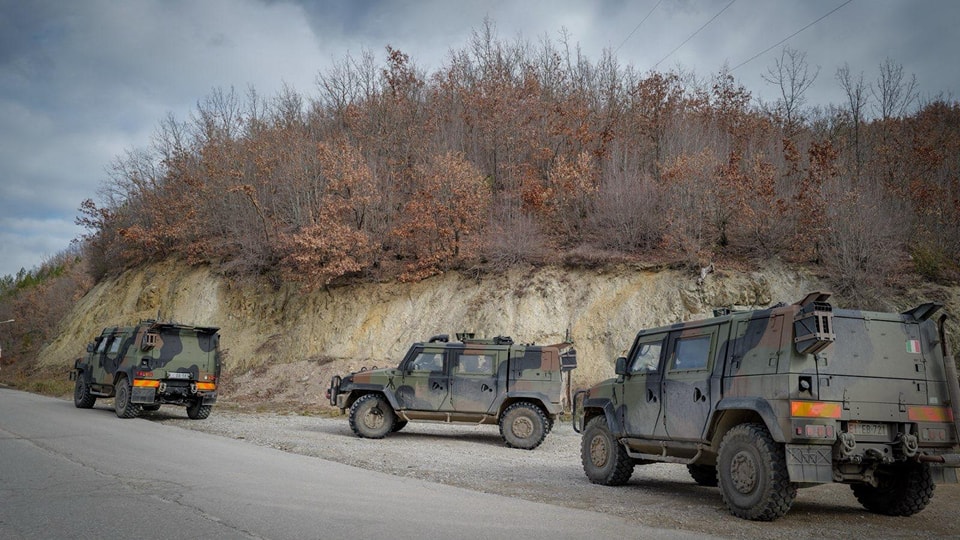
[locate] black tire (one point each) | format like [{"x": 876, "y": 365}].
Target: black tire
[
  {"x": 150, "y": 408},
  {"x": 703, "y": 475},
  {"x": 198, "y": 411},
  {"x": 904, "y": 490},
  {"x": 121, "y": 401},
  {"x": 523, "y": 425},
  {"x": 371, "y": 417},
  {"x": 752, "y": 472},
  {"x": 605, "y": 460},
  {"x": 82, "y": 398},
  {"x": 398, "y": 425}
]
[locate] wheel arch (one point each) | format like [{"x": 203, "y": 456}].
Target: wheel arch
[
  {"x": 731, "y": 412},
  {"x": 359, "y": 391},
  {"x": 602, "y": 407},
  {"x": 534, "y": 399}
]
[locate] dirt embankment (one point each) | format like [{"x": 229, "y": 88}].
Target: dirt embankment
[{"x": 349, "y": 327}]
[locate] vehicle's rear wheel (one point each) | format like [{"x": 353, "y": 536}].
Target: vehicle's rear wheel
[
  {"x": 604, "y": 460},
  {"x": 82, "y": 398},
  {"x": 371, "y": 417},
  {"x": 121, "y": 401},
  {"x": 523, "y": 425},
  {"x": 752, "y": 471},
  {"x": 904, "y": 490},
  {"x": 703, "y": 475},
  {"x": 198, "y": 411}
]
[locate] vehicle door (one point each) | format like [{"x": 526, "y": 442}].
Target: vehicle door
[
  {"x": 424, "y": 382},
  {"x": 691, "y": 356},
  {"x": 474, "y": 378},
  {"x": 103, "y": 362},
  {"x": 641, "y": 386}
]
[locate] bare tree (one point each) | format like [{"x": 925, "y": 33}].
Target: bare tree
[
  {"x": 856, "y": 92},
  {"x": 893, "y": 93},
  {"x": 792, "y": 75}
]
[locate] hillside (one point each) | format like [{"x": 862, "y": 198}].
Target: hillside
[{"x": 283, "y": 345}]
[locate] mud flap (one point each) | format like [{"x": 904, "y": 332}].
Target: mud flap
[
  {"x": 141, "y": 394},
  {"x": 810, "y": 463},
  {"x": 943, "y": 475}
]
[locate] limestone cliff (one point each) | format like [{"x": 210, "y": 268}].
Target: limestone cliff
[{"x": 284, "y": 344}]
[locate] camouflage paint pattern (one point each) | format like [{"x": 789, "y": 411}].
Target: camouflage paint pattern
[
  {"x": 178, "y": 356},
  {"x": 845, "y": 391},
  {"x": 469, "y": 381}
]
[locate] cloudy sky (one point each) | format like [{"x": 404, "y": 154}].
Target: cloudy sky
[{"x": 83, "y": 81}]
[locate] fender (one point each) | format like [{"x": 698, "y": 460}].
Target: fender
[
  {"x": 544, "y": 400},
  {"x": 613, "y": 419},
  {"x": 379, "y": 389},
  {"x": 755, "y": 404}
]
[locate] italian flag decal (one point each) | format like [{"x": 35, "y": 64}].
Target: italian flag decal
[{"x": 913, "y": 346}]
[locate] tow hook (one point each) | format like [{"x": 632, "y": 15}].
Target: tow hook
[
  {"x": 909, "y": 445},
  {"x": 848, "y": 445}
]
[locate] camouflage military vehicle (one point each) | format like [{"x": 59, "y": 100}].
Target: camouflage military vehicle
[
  {"x": 472, "y": 381},
  {"x": 148, "y": 365},
  {"x": 764, "y": 402}
]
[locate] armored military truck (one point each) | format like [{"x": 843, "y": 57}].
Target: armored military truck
[
  {"x": 477, "y": 381},
  {"x": 150, "y": 364},
  {"x": 764, "y": 402}
]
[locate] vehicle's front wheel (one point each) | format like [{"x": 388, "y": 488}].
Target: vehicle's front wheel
[
  {"x": 605, "y": 460},
  {"x": 904, "y": 490},
  {"x": 198, "y": 411},
  {"x": 82, "y": 398},
  {"x": 121, "y": 401},
  {"x": 371, "y": 417},
  {"x": 703, "y": 475},
  {"x": 523, "y": 425},
  {"x": 752, "y": 471}
]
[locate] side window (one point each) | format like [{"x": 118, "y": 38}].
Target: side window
[
  {"x": 428, "y": 361},
  {"x": 115, "y": 346},
  {"x": 692, "y": 353},
  {"x": 646, "y": 358},
  {"x": 103, "y": 345},
  {"x": 475, "y": 364}
]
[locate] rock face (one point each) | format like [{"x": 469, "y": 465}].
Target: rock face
[{"x": 348, "y": 327}]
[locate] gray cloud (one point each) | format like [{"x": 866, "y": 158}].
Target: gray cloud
[{"x": 82, "y": 82}]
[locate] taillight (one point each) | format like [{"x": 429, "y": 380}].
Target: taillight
[
  {"x": 206, "y": 386},
  {"x": 814, "y": 409},
  {"x": 929, "y": 414},
  {"x": 146, "y": 383}
]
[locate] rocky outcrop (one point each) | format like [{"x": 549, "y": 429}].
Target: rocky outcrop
[{"x": 347, "y": 327}]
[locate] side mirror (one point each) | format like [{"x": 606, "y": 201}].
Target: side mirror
[
  {"x": 91, "y": 346},
  {"x": 621, "y": 368}
]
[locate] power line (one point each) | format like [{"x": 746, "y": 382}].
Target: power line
[
  {"x": 765, "y": 51},
  {"x": 694, "y": 34},
  {"x": 637, "y": 27}
]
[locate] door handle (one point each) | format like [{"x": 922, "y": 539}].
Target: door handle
[
  {"x": 436, "y": 386},
  {"x": 651, "y": 398},
  {"x": 698, "y": 395},
  {"x": 485, "y": 388}
]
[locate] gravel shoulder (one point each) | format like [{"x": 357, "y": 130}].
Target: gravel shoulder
[{"x": 474, "y": 457}]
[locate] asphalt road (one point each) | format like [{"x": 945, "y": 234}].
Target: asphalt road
[{"x": 71, "y": 473}]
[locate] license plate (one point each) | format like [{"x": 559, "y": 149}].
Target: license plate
[
  {"x": 178, "y": 375},
  {"x": 866, "y": 428}
]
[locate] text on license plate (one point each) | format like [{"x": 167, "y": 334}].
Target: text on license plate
[
  {"x": 178, "y": 375},
  {"x": 867, "y": 428}
]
